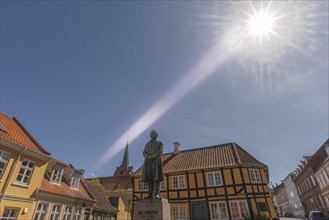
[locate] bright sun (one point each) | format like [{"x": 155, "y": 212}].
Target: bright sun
[{"x": 260, "y": 24}]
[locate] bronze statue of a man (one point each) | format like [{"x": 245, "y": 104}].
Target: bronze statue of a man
[{"x": 152, "y": 169}]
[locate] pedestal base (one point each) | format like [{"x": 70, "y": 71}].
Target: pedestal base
[{"x": 152, "y": 209}]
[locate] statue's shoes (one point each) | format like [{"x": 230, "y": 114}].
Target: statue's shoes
[{"x": 157, "y": 197}]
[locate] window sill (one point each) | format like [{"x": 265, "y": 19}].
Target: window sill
[
  {"x": 215, "y": 185},
  {"x": 55, "y": 183},
  {"x": 179, "y": 188},
  {"x": 21, "y": 185}
]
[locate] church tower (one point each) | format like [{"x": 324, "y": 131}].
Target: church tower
[{"x": 124, "y": 169}]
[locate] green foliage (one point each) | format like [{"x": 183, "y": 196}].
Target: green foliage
[{"x": 96, "y": 181}]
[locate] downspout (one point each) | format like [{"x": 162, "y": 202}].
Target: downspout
[{"x": 11, "y": 174}]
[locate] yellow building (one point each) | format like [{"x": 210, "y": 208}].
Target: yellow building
[
  {"x": 23, "y": 162},
  {"x": 65, "y": 194},
  {"x": 217, "y": 182}
]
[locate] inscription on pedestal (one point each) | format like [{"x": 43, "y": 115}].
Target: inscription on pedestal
[{"x": 152, "y": 209}]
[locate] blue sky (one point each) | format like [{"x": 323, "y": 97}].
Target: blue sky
[{"x": 79, "y": 74}]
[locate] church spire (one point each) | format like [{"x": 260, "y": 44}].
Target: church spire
[
  {"x": 124, "y": 168},
  {"x": 125, "y": 159}
]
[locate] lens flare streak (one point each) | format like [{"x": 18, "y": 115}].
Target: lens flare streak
[{"x": 201, "y": 71}]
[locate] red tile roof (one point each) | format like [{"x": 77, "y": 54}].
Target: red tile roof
[
  {"x": 16, "y": 132},
  {"x": 223, "y": 155},
  {"x": 102, "y": 202},
  {"x": 64, "y": 187},
  {"x": 119, "y": 182}
]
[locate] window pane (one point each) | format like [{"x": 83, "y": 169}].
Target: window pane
[
  {"x": 214, "y": 211},
  {"x": 24, "y": 163},
  {"x": 218, "y": 179},
  {"x": 19, "y": 178},
  {"x": 222, "y": 210},
  {"x": 244, "y": 209},
  {"x": 21, "y": 171},
  {"x": 234, "y": 210},
  {"x": 6, "y": 213},
  {"x": 210, "y": 179}
]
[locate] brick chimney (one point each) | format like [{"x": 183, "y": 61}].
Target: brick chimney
[{"x": 176, "y": 147}]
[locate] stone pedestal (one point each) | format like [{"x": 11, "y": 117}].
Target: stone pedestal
[{"x": 152, "y": 209}]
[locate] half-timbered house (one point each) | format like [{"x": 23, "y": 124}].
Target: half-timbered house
[{"x": 216, "y": 182}]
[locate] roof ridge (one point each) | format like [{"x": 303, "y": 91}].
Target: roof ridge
[
  {"x": 200, "y": 148},
  {"x": 30, "y": 136},
  {"x": 236, "y": 154},
  {"x": 85, "y": 185},
  {"x": 168, "y": 159},
  {"x": 241, "y": 148}
]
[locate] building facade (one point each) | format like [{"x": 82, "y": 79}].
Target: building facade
[
  {"x": 64, "y": 194},
  {"x": 293, "y": 197},
  {"x": 321, "y": 175},
  {"x": 118, "y": 188},
  {"x": 217, "y": 182},
  {"x": 312, "y": 179},
  {"x": 35, "y": 186},
  {"x": 283, "y": 205},
  {"x": 23, "y": 161}
]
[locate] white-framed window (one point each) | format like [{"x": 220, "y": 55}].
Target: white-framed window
[
  {"x": 75, "y": 180},
  {"x": 41, "y": 211},
  {"x": 327, "y": 169},
  {"x": 306, "y": 185},
  {"x": 298, "y": 188},
  {"x": 322, "y": 180},
  {"x": 4, "y": 157},
  {"x": 239, "y": 209},
  {"x": 9, "y": 213},
  {"x": 179, "y": 212},
  {"x": 218, "y": 210},
  {"x": 86, "y": 214},
  {"x": 78, "y": 213},
  {"x": 255, "y": 176},
  {"x": 142, "y": 186},
  {"x": 56, "y": 174},
  {"x": 214, "y": 179},
  {"x": 178, "y": 182},
  {"x": 312, "y": 178},
  {"x": 291, "y": 194},
  {"x": 319, "y": 181},
  {"x": 55, "y": 212},
  {"x": 163, "y": 184},
  {"x": 324, "y": 174},
  {"x": 327, "y": 200},
  {"x": 67, "y": 213},
  {"x": 25, "y": 172}
]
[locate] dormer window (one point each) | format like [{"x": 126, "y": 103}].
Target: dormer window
[
  {"x": 56, "y": 174},
  {"x": 327, "y": 148},
  {"x": 2, "y": 128},
  {"x": 75, "y": 180}
]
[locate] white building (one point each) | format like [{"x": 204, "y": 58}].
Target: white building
[{"x": 294, "y": 201}]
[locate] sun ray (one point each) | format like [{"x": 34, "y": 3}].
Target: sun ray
[{"x": 286, "y": 29}]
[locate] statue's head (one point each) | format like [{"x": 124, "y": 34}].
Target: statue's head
[{"x": 154, "y": 134}]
